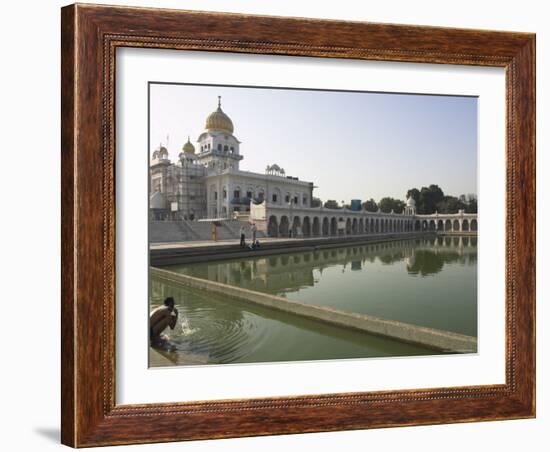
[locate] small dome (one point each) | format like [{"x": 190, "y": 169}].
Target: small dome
[
  {"x": 161, "y": 151},
  {"x": 218, "y": 120},
  {"x": 188, "y": 147},
  {"x": 411, "y": 202}
]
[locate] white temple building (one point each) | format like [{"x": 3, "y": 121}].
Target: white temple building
[{"x": 207, "y": 182}]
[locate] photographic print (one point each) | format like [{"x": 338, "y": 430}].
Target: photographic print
[{"x": 299, "y": 225}]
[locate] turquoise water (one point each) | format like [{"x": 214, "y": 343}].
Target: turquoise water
[{"x": 425, "y": 282}]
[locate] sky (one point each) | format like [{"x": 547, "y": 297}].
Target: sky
[{"x": 351, "y": 145}]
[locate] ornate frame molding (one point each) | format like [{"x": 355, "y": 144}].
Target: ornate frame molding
[{"x": 90, "y": 37}]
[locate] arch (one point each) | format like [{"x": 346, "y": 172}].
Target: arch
[
  {"x": 306, "y": 227},
  {"x": 448, "y": 225},
  {"x": 431, "y": 225},
  {"x": 316, "y": 226},
  {"x": 376, "y": 226},
  {"x": 237, "y": 193},
  {"x": 361, "y": 226},
  {"x": 296, "y": 226},
  {"x": 440, "y": 225},
  {"x": 348, "y": 226},
  {"x": 272, "y": 227},
  {"x": 275, "y": 197},
  {"x": 354, "y": 226},
  {"x": 333, "y": 226},
  {"x": 456, "y": 225},
  {"x": 326, "y": 226},
  {"x": 284, "y": 226},
  {"x": 424, "y": 225},
  {"x": 465, "y": 225},
  {"x": 473, "y": 224},
  {"x": 417, "y": 225}
]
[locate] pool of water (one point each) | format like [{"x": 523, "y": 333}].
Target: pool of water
[{"x": 429, "y": 282}]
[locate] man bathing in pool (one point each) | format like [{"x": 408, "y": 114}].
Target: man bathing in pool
[{"x": 162, "y": 317}]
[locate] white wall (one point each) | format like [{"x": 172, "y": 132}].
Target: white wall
[{"x": 30, "y": 126}]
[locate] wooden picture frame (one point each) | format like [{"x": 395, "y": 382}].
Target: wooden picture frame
[{"x": 90, "y": 35}]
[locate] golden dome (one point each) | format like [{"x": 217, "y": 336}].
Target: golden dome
[
  {"x": 218, "y": 120},
  {"x": 188, "y": 147}
]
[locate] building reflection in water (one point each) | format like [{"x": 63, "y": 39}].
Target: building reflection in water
[{"x": 290, "y": 272}]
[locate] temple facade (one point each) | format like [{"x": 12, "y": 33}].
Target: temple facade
[{"x": 207, "y": 182}]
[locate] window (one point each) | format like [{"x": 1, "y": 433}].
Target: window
[
  {"x": 295, "y": 199},
  {"x": 249, "y": 194},
  {"x": 274, "y": 197},
  {"x": 261, "y": 196},
  {"x": 304, "y": 200},
  {"x": 225, "y": 148},
  {"x": 219, "y": 147},
  {"x": 236, "y": 194},
  {"x": 224, "y": 194},
  {"x": 215, "y": 195},
  {"x": 232, "y": 149},
  {"x": 287, "y": 198}
]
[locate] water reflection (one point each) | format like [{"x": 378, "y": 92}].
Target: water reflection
[
  {"x": 291, "y": 271},
  {"x": 430, "y": 282}
]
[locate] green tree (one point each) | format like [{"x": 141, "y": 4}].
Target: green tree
[
  {"x": 429, "y": 198},
  {"x": 331, "y": 204},
  {"x": 388, "y": 204},
  {"x": 415, "y": 194},
  {"x": 316, "y": 202},
  {"x": 370, "y": 205},
  {"x": 471, "y": 203}
]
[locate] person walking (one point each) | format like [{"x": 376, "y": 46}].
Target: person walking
[
  {"x": 241, "y": 233},
  {"x": 253, "y": 229},
  {"x": 214, "y": 232}
]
